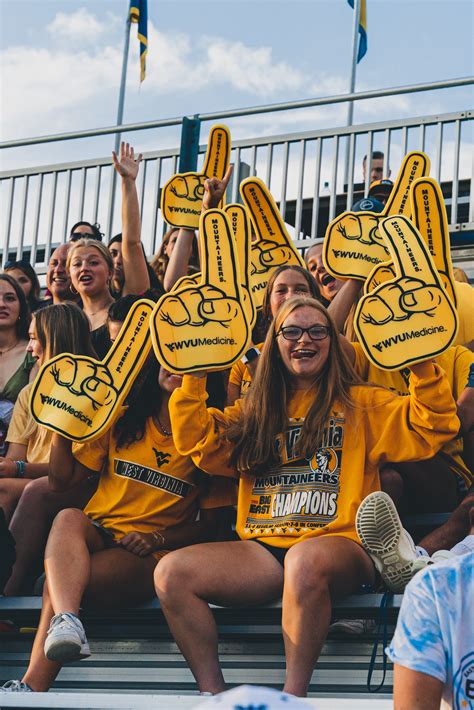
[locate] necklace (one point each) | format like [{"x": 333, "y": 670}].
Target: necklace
[
  {"x": 164, "y": 431},
  {"x": 2, "y": 352}
]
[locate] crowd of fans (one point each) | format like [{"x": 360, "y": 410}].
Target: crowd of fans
[{"x": 405, "y": 446}]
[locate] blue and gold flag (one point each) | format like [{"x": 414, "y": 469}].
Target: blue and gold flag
[
  {"x": 362, "y": 28},
  {"x": 139, "y": 14}
]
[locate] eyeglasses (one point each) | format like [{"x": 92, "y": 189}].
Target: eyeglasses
[
  {"x": 294, "y": 332},
  {"x": 11, "y": 264},
  {"x": 75, "y": 236}
]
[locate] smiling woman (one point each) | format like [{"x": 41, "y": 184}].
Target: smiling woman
[
  {"x": 306, "y": 443},
  {"x": 91, "y": 269}
]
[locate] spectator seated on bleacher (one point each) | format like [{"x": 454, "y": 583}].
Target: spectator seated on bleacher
[
  {"x": 306, "y": 416},
  {"x": 106, "y": 555},
  {"x": 16, "y": 362},
  {"x": 53, "y": 330}
]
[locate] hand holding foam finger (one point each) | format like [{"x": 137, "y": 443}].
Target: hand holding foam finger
[
  {"x": 204, "y": 326},
  {"x": 182, "y": 196},
  {"x": 354, "y": 244},
  {"x": 80, "y": 397},
  {"x": 273, "y": 246},
  {"x": 410, "y": 318},
  {"x": 242, "y": 230}
]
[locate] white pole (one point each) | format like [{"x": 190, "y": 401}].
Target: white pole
[
  {"x": 350, "y": 109},
  {"x": 118, "y": 136}
]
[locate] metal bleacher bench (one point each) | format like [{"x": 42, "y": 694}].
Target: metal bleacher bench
[{"x": 134, "y": 655}]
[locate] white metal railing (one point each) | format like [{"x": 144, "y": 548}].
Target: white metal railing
[{"x": 40, "y": 204}]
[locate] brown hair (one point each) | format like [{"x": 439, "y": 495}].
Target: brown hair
[
  {"x": 160, "y": 261},
  {"x": 63, "y": 328},
  {"x": 312, "y": 287},
  {"x": 267, "y": 399}
]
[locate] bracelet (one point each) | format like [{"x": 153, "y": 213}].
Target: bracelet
[
  {"x": 159, "y": 538},
  {"x": 20, "y": 469}
]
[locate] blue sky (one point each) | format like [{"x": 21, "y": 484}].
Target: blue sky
[{"x": 61, "y": 64}]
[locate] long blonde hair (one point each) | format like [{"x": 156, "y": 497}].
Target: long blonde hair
[
  {"x": 63, "y": 328},
  {"x": 264, "y": 409}
]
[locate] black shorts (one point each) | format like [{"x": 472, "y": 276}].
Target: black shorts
[{"x": 278, "y": 553}]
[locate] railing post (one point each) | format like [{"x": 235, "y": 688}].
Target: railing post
[{"x": 189, "y": 150}]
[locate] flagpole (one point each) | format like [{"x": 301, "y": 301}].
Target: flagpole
[
  {"x": 350, "y": 109},
  {"x": 118, "y": 137}
]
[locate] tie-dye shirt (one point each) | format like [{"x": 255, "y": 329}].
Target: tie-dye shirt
[{"x": 435, "y": 630}]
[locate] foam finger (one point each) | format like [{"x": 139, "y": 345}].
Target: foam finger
[
  {"x": 409, "y": 253},
  {"x": 264, "y": 213},
  {"x": 429, "y": 217},
  {"x": 415, "y": 165},
  {"x": 219, "y": 259},
  {"x": 131, "y": 347},
  {"x": 217, "y": 157},
  {"x": 240, "y": 225}
]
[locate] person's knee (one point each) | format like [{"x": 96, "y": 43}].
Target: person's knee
[
  {"x": 69, "y": 521},
  {"x": 391, "y": 482},
  {"x": 308, "y": 573},
  {"x": 171, "y": 576}
]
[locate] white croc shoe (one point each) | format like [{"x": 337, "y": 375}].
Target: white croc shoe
[{"x": 387, "y": 542}]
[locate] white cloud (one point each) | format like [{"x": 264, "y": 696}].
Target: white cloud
[{"x": 80, "y": 26}]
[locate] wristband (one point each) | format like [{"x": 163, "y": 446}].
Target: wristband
[
  {"x": 159, "y": 538},
  {"x": 20, "y": 469},
  {"x": 470, "y": 379},
  {"x": 251, "y": 354}
]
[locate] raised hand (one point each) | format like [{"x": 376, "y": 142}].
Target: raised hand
[
  {"x": 242, "y": 230},
  {"x": 430, "y": 219},
  {"x": 80, "y": 397},
  {"x": 204, "y": 326},
  {"x": 127, "y": 165},
  {"x": 214, "y": 190},
  {"x": 273, "y": 246},
  {"x": 408, "y": 319},
  {"x": 182, "y": 196},
  {"x": 354, "y": 245}
]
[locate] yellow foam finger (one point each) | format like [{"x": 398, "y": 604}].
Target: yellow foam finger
[
  {"x": 216, "y": 333},
  {"x": 182, "y": 195},
  {"x": 273, "y": 246},
  {"x": 410, "y": 318},
  {"x": 241, "y": 228},
  {"x": 379, "y": 274},
  {"x": 80, "y": 397},
  {"x": 186, "y": 281},
  {"x": 429, "y": 217}
]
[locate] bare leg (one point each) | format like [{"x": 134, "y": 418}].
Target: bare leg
[
  {"x": 110, "y": 585},
  {"x": 32, "y": 521},
  {"x": 224, "y": 573},
  {"x": 315, "y": 571},
  {"x": 10, "y": 492},
  {"x": 67, "y": 560},
  {"x": 454, "y": 529},
  {"x": 391, "y": 482}
]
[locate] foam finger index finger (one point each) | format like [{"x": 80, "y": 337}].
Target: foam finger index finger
[
  {"x": 429, "y": 217},
  {"x": 415, "y": 165},
  {"x": 131, "y": 347},
  {"x": 220, "y": 267},
  {"x": 409, "y": 253},
  {"x": 217, "y": 157}
]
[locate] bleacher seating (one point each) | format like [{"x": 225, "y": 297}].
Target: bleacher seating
[{"x": 133, "y": 652}]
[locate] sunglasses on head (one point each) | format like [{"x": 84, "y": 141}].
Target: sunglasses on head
[
  {"x": 75, "y": 236},
  {"x": 11, "y": 264}
]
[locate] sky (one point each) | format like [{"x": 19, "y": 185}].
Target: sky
[
  {"x": 60, "y": 68},
  {"x": 61, "y": 63}
]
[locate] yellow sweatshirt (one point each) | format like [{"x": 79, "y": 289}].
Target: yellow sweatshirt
[{"x": 302, "y": 497}]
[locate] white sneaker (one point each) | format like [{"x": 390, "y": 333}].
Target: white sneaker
[
  {"x": 15, "y": 686},
  {"x": 387, "y": 542},
  {"x": 66, "y": 639},
  {"x": 353, "y": 627},
  {"x": 441, "y": 556}
]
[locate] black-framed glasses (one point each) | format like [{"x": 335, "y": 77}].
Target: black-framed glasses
[{"x": 294, "y": 332}]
